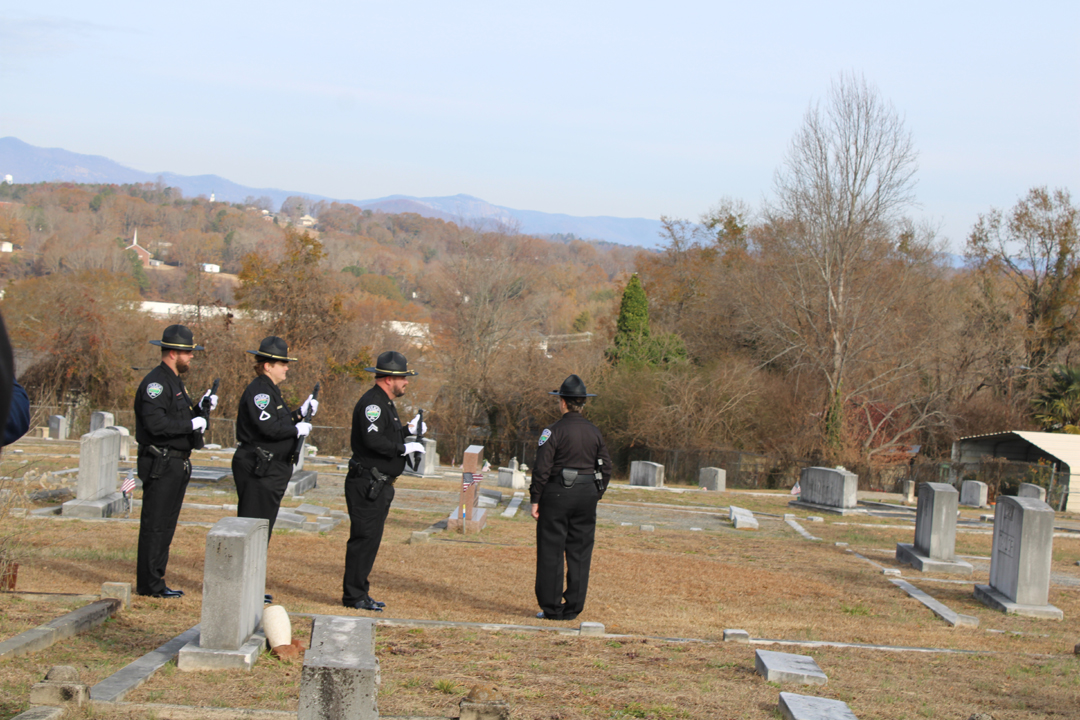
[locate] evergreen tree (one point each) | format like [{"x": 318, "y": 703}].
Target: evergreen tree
[{"x": 632, "y": 342}]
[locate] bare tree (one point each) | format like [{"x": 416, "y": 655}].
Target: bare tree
[{"x": 839, "y": 274}]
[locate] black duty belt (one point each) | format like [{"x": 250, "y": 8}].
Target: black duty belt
[{"x": 165, "y": 451}]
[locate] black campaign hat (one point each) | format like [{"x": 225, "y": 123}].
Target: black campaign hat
[
  {"x": 273, "y": 348},
  {"x": 393, "y": 364},
  {"x": 177, "y": 337},
  {"x": 572, "y": 387}
]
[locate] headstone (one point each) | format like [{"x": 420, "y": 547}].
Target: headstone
[
  {"x": 234, "y": 583},
  {"x": 646, "y": 474},
  {"x": 125, "y": 443},
  {"x": 61, "y": 686},
  {"x": 58, "y": 427},
  {"x": 100, "y": 419},
  {"x": 513, "y": 464},
  {"x": 301, "y": 481},
  {"x": 973, "y": 493},
  {"x": 473, "y": 460},
  {"x": 712, "y": 478},
  {"x": 96, "y": 495},
  {"x": 119, "y": 590},
  {"x": 734, "y": 635},
  {"x": 468, "y": 516},
  {"x": 808, "y": 707},
  {"x": 787, "y": 667},
  {"x": 1032, "y": 491},
  {"x": 591, "y": 628},
  {"x": 935, "y": 532},
  {"x": 512, "y": 478},
  {"x": 830, "y": 489},
  {"x": 429, "y": 461},
  {"x": 1020, "y": 559},
  {"x": 909, "y": 492},
  {"x": 340, "y": 678},
  {"x": 742, "y": 518}
]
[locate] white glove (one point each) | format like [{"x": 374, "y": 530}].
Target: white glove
[
  {"x": 198, "y": 424},
  {"x": 413, "y": 447},
  {"x": 312, "y": 403},
  {"x": 213, "y": 400},
  {"x": 414, "y": 422},
  {"x": 303, "y": 428}
]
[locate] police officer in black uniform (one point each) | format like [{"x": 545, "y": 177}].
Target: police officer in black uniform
[
  {"x": 570, "y": 475},
  {"x": 168, "y": 425},
  {"x": 378, "y": 457},
  {"x": 266, "y": 433}
]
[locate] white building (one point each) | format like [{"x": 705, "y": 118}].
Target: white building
[{"x": 210, "y": 268}]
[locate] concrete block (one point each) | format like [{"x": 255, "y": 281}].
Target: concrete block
[
  {"x": 973, "y": 493},
  {"x": 109, "y": 506},
  {"x": 193, "y": 657},
  {"x": 341, "y": 673},
  {"x": 712, "y": 478},
  {"x": 1031, "y": 490},
  {"x": 419, "y": 536},
  {"x": 647, "y": 528},
  {"x": 907, "y": 554},
  {"x": 787, "y": 667},
  {"x": 100, "y": 419},
  {"x": 234, "y": 582},
  {"x": 646, "y": 474},
  {"x": 591, "y": 628},
  {"x": 493, "y": 710},
  {"x": 831, "y": 487},
  {"x": 739, "y": 636},
  {"x": 808, "y": 707},
  {"x": 59, "y": 693},
  {"x": 745, "y": 522},
  {"x": 301, "y": 482},
  {"x": 58, "y": 427},
  {"x": 119, "y": 590}
]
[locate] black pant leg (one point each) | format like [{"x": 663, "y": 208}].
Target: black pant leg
[
  {"x": 580, "y": 537},
  {"x": 162, "y": 499},
  {"x": 259, "y": 497},
  {"x": 367, "y": 518},
  {"x": 551, "y": 531}
]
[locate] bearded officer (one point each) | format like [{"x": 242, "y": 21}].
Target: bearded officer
[
  {"x": 570, "y": 475},
  {"x": 266, "y": 432},
  {"x": 378, "y": 457},
  {"x": 168, "y": 425}
]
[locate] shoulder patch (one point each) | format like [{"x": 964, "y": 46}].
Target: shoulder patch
[
  {"x": 544, "y": 436},
  {"x": 262, "y": 400},
  {"x": 153, "y": 390},
  {"x": 372, "y": 412}
]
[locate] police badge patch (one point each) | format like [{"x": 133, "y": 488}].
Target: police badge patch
[
  {"x": 372, "y": 412},
  {"x": 153, "y": 390},
  {"x": 544, "y": 437},
  {"x": 262, "y": 400}
]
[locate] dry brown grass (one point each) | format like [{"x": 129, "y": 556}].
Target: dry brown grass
[{"x": 666, "y": 584}]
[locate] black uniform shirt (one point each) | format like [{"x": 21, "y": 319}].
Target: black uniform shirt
[
  {"x": 265, "y": 420},
  {"x": 573, "y": 442},
  {"x": 378, "y": 439},
  {"x": 163, "y": 411}
]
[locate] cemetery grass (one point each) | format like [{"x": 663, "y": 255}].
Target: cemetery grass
[{"x": 671, "y": 583}]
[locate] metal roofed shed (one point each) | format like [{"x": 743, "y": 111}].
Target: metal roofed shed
[{"x": 1063, "y": 450}]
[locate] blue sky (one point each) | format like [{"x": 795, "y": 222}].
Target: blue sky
[{"x": 629, "y": 109}]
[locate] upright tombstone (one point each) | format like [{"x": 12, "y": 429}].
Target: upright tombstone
[
  {"x": 340, "y": 678},
  {"x": 973, "y": 493},
  {"x": 646, "y": 474},
  {"x": 1020, "y": 559},
  {"x": 234, "y": 583},
  {"x": 909, "y": 492},
  {"x": 712, "y": 478},
  {"x": 468, "y": 516},
  {"x": 100, "y": 419},
  {"x": 301, "y": 480},
  {"x": 125, "y": 443},
  {"x": 96, "y": 495},
  {"x": 429, "y": 460},
  {"x": 511, "y": 477},
  {"x": 935, "y": 532},
  {"x": 1031, "y": 490},
  {"x": 829, "y": 489},
  {"x": 58, "y": 427}
]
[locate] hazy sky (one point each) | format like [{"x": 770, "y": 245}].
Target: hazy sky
[{"x": 630, "y": 109}]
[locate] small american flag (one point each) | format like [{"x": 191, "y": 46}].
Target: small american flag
[
  {"x": 129, "y": 483},
  {"x": 795, "y": 490}
]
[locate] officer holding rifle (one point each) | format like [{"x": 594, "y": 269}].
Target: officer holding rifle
[
  {"x": 379, "y": 454},
  {"x": 168, "y": 426},
  {"x": 267, "y": 433}
]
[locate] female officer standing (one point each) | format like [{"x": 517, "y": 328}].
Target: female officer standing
[{"x": 266, "y": 432}]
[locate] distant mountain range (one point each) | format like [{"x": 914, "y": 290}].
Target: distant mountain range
[{"x": 29, "y": 164}]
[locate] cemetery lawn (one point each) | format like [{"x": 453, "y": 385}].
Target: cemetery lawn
[{"x": 657, "y": 586}]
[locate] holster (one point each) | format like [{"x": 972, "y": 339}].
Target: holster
[
  {"x": 161, "y": 459},
  {"x": 375, "y": 483},
  {"x": 263, "y": 458}
]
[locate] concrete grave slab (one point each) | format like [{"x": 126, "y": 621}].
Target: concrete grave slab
[
  {"x": 807, "y": 707},
  {"x": 788, "y": 667}
]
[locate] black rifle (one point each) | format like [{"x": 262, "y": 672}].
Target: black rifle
[
  {"x": 204, "y": 410},
  {"x": 413, "y": 460},
  {"x": 298, "y": 448}
]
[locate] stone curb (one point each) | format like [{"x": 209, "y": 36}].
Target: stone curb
[
  {"x": 42, "y": 712},
  {"x": 936, "y": 606},
  {"x": 65, "y": 626},
  {"x": 113, "y": 688}
]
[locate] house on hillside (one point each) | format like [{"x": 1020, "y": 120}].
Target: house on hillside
[
  {"x": 6, "y": 247},
  {"x": 209, "y": 268},
  {"x": 144, "y": 255},
  {"x": 307, "y": 221}
]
